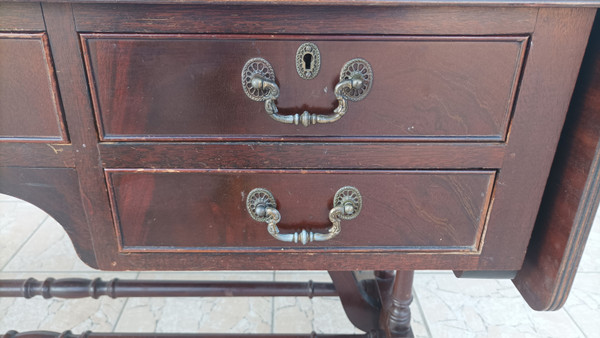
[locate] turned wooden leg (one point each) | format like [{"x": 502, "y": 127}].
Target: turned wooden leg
[{"x": 395, "y": 318}]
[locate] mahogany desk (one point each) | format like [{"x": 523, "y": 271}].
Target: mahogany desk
[{"x": 388, "y": 136}]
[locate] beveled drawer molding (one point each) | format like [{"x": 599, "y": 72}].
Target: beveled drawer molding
[
  {"x": 205, "y": 210},
  {"x": 165, "y": 87}
]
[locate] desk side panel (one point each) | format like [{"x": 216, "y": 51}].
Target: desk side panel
[{"x": 571, "y": 197}]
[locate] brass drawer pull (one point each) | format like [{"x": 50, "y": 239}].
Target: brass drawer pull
[
  {"x": 262, "y": 207},
  {"x": 258, "y": 80}
]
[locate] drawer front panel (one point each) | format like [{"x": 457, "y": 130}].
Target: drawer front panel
[
  {"x": 205, "y": 210},
  {"x": 188, "y": 87},
  {"x": 29, "y": 103},
  {"x": 24, "y": 17}
]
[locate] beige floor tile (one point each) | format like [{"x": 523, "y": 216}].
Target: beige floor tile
[
  {"x": 7, "y": 198},
  {"x": 417, "y": 322},
  {"x": 296, "y": 315},
  {"x": 208, "y": 314},
  {"x": 192, "y": 315},
  {"x": 302, "y": 276},
  {"x": 304, "y": 315},
  {"x": 49, "y": 249},
  {"x": 56, "y": 314},
  {"x": 18, "y": 220},
  {"x": 583, "y": 303},
  {"x": 484, "y": 308}
]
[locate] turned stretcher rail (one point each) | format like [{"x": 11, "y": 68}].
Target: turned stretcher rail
[
  {"x": 116, "y": 288},
  {"x": 69, "y": 334}
]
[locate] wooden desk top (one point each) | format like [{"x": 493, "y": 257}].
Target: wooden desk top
[{"x": 487, "y": 3}]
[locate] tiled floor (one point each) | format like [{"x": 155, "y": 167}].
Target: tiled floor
[{"x": 444, "y": 306}]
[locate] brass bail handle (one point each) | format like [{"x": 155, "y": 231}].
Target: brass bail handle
[
  {"x": 262, "y": 207},
  {"x": 258, "y": 80}
]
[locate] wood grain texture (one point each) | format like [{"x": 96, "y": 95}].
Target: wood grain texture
[
  {"x": 302, "y": 155},
  {"x": 432, "y": 20},
  {"x": 205, "y": 211},
  {"x": 522, "y": 162},
  {"x": 571, "y": 197},
  {"x": 558, "y": 44},
  {"x": 468, "y": 204},
  {"x": 290, "y": 260},
  {"x": 29, "y": 101},
  {"x": 372, "y": 3},
  {"x": 174, "y": 87},
  {"x": 55, "y": 191},
  {"x": 28, "y": 154},
  {"x": 78, "y": 112},
  {"x": 15, "y": 17}
]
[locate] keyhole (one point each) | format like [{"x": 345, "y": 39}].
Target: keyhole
[{"x": 307, "y": 61}]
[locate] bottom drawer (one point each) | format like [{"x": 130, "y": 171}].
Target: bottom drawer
[{"x": 206, "y": 210}]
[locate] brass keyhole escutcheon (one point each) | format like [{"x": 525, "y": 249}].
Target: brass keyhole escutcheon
[{"x": 308, "y": 61}]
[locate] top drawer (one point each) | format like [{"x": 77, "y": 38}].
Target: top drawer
[{"x": 188, "y": 87}]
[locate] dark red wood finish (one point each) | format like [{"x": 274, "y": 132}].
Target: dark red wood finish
[
  {"x": 296, "y": 155},
  {"x": 516, "y": 65},
  {"x": 395, "y": 317},
  {"x": 357, "y": 3},
  {"x": 77, "y": 109},
  {"x": 358, "y": 291},
  {"x": 188, "y": 87},
  {"x": 556, "y": 42},
  {"x": 521, "y": 161},
  {"x": 30, "y": 154},
  {"x": 196, "y": 211},
  {"x": 261, "y": 19},
  {"x": 116, "y": 288},
  {"x": 535, "y": 129},
  {"x": 21, "y": 17},
  {"x": 571, "y": 197},
  {"x": 29, "y": 102},
  {"x": 56, "y": 191}
]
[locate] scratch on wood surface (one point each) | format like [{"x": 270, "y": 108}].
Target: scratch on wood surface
[{"x": 56, "y": 150}]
